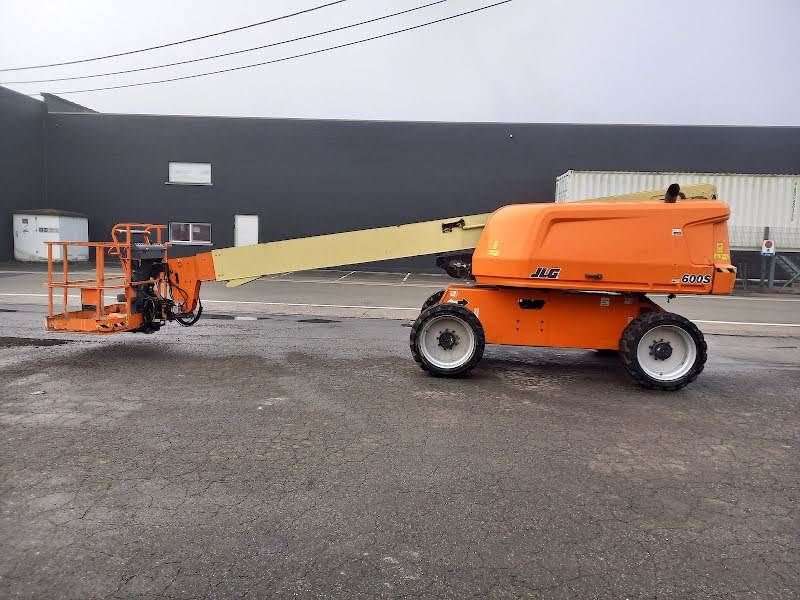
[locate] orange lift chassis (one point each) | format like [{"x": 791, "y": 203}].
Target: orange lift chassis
[{"x": 572, "y": 275}]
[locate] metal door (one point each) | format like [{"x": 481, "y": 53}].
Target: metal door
[{"x": 245, "y": 230}]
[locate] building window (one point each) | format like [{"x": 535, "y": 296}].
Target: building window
[
  {"x": 190, "y": 234},
  {"x": 186, "y": 173}
]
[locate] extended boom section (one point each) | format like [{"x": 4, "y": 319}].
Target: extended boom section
[{"x": 246, "y": 263}]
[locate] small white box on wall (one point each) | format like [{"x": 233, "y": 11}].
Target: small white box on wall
[{"x": 189, "y": 173}]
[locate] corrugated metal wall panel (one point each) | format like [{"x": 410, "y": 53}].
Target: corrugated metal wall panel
[{"x": 756, "y": 201}]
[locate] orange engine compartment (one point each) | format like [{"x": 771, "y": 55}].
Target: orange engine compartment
[{"x": 679, "y": 248}]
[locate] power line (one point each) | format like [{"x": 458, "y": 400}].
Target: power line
[
  {"x": 167, "y": 45},
  {"x": 285, "y": 58},
  {"x": 193, "y": 60}
]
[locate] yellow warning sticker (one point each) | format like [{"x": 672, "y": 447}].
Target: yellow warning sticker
[{"x": 494, "y": 249}]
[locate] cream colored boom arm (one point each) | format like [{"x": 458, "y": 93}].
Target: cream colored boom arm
[
  {"x": 700, "y": 191},
  {"x": 241, "y": 265},
  {"x": 244, "y": 264}
]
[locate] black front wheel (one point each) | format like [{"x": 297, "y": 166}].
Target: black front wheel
[
  {"x": 663, "y": 351},
  {"x": 447, "y": 340}
]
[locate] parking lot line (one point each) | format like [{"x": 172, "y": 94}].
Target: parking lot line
[
  {"x": 304, "y": 305},
  {"x": 746, "y": 323},
  {"x": 350, "y": 282}
]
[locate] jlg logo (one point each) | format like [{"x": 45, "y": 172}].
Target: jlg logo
[{"x": 546, "y": 273}]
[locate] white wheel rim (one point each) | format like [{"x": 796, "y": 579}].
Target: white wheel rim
[
  {"x": 451, "y": 351},
  {"x": 682, "y": 352}
]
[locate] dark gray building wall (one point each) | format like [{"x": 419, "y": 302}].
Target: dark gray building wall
[
  {"x": 21, "y": 160},
  {"x": 305, "y": 177},
  {"x": 54, "y": 104}
]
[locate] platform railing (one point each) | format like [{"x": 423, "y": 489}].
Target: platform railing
[
  {"x": 92, "y": 290},
  {"x": 102, "y": 281}
]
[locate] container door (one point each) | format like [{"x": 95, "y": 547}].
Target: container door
[
  {"x": 24, "y": 238},
  {"x": 245, "y": 230}
]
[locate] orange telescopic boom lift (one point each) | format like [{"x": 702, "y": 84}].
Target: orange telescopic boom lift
[{"x": 573, "y": 275}]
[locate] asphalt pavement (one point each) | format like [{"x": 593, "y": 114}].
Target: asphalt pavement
[{"x": 297, "y": 451}]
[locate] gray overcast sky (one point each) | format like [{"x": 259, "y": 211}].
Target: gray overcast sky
[{"x": 647, "y": 61}]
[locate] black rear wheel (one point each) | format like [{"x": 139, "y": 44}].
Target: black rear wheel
[
  {"x": 447, "y": 340},
  {"x": 663, "y": 351}
]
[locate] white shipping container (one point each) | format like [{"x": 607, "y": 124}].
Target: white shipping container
[
  {"x": 756, "y": 201},
  {"x": 33, "y": 228}
]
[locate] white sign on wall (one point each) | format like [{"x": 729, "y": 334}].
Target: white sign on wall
[
  {"x": 187, "y": 173},
  {"x": 768, "y": 248}
]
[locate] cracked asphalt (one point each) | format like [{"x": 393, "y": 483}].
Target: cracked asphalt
[{"x": 291, "y": 457}]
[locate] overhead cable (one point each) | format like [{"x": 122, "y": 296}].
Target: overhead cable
[
  {"x": 285, "y": 58},
  {"x": 168, "y": 44},
  {"x": 224, "y": 54}
]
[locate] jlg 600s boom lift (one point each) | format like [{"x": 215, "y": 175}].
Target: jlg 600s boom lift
[{"x": 570, "y": 275}]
